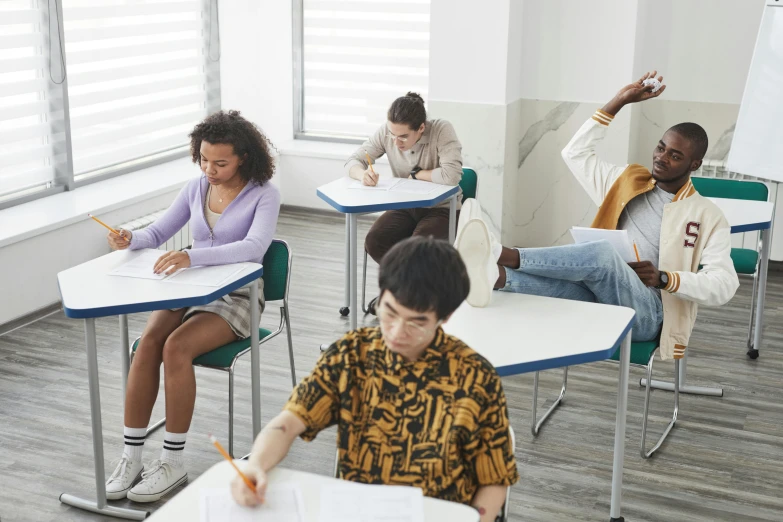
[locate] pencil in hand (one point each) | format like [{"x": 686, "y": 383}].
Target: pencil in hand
[
  {"x": 225, "y": 454},
  {"x": 369, "y": 161},
  {"x": 636, "y": 251}
]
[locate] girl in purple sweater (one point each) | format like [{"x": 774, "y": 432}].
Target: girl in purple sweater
[{"x": 232, "y": 210}]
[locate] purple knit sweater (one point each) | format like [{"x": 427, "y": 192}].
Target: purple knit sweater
[{"x": 243, "y": 232}]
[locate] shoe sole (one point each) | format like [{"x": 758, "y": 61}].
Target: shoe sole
[
  {"x": 117, "y": 495},
  {"x": 474, "y": 247},
  {"x": 152, "y": 497}
]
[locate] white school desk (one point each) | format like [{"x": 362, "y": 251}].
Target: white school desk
[
  {"x": 353, "y": 202},
  {"x": 743, "y": 216},
  {"x": 88, "y": 291},
  {"x": 187, "y": 504},
  {"x": 521, "y": 333}
]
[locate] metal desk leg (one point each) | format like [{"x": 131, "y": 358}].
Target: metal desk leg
[
  {"x": 255, "y": 359},
  {"x": 452, "y": 219},
  {"x": 693, "y": 390},
  {"x": 98, "y": 505},
  {"x": 124, "y": 353},
  {"x": 346, "y": 308},
  {"x": 766, "y": 244},
  {"x": 352, "y": 272},
  {"x": 619, "y": 432}
]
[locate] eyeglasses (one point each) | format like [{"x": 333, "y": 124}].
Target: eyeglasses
[
  {"x": 391, "y": 320},
  {"x": 392, "y": 136}
]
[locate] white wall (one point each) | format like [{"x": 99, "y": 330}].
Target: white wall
[{"x": 703, "y": 47}]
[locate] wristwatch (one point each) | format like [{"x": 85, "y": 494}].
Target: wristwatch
[
  {"x": 414, "y": 170},
  {"x": 663, "y": 280}
]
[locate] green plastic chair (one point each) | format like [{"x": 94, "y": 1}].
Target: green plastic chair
[
  {"x": 277, "y": 280},
  {"x": 746, "y": 260},
  {"x": 469, "y": 186},
  {"x": 642, "y": 355}
]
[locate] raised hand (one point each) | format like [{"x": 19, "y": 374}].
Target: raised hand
[{"x": 634, "y": 92}]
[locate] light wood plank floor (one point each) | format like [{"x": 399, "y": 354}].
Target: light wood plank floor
[{"x": 723, "y": 461}]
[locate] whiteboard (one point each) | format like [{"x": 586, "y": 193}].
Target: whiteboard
[{"x": 757, "y": 146}]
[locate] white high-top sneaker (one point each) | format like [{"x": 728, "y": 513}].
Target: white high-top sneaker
[
  {"x": 125, "y": 476},
  {"x": 480, "y": 252},
  {"x": 160, "y": 479}
]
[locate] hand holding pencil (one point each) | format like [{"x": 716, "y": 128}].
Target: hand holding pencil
[
  {"x": 118, "y": 239},
  {"x": 370, "y": 176},
  {"x": 248, "y": 487}
]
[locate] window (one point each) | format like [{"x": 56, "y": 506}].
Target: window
[
  {"x": 352, "y": 59},
  {"x": 31, "y": 116},
  {"x": 135, "y": 77}
]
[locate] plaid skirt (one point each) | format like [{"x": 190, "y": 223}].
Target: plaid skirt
[{"x": 234, "y": 308}]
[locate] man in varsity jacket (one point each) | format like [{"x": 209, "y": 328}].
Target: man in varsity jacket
[{"x": 682, "y": 238}]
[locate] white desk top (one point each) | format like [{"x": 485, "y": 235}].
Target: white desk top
[
  {"x": 521, "y": 333},
  {"x": 745, "y": 215},
  {"x": 354, "y": 201},
  {"x": 186, "y": 505},
  {"x": 87, "y": 290}
]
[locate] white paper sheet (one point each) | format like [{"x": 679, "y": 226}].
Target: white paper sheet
[
  {"x": 617, "y": 238},
  {"x": 140, "y": 266},
  {"x": 383, "y": 184},
  {"x": 204, "y": 275},
  {"x": 283, "y": 504},
  {"x": 414, "y": 186},
  {"x": 351, "y": 502}
]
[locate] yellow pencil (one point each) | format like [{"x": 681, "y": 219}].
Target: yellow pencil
[
  {"x": 636, "y": 251},
  {"x": 370, "y": 162},
  {"x": 107, "y": 226},
  {"x": 228, "y": 458}
]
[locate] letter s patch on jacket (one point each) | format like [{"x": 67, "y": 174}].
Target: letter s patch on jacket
[{"x": 692, "y": 230}]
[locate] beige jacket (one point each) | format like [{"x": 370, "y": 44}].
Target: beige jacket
[
  {"x": 694, "y": 233},
  {"x": 438, "y": 150}
]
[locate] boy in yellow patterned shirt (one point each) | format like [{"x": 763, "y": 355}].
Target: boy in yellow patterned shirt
[{"x": 413, "y": 406}]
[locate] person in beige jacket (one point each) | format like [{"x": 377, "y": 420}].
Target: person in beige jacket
[
  {"x": 682, "y": 237},
  {"x": 417, "y": 148}
]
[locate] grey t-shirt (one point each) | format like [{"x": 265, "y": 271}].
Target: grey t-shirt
[{"x": 642, "y": 219}]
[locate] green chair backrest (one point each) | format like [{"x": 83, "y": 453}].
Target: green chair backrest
[
  {"x": 469, "y": 183},
  {"x": 275, "y": 276},
  {"x": 731, "y": 188}
]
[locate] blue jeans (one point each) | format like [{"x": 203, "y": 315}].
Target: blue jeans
[{"x": 592, "y": 272}]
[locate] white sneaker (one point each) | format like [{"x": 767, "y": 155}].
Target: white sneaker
[
  {"x": 475, "y": 247},
  {"x": 125, "y": 476},
  {"x": 471, "y": 209},
  {"x": 160, "y": 479}
]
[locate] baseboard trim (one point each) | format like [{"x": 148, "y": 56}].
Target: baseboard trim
[{"x": 30, "y": 318}]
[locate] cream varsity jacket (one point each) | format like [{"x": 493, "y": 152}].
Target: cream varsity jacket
[{"x": 694, "y": 233}]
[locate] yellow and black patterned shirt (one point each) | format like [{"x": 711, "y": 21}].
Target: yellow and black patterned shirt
[{"x": 439, "y": 423}]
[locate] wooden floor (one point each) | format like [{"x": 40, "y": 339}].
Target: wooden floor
[{"x": 723, "y": 461}]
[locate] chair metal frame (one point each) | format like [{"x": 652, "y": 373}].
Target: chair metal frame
[
  {"x": 645, "y": 454},
  {"x": 284, "y": 320}
]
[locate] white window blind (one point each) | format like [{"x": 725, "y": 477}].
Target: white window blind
[
  {"x": 31, "y": 117},
  {"x": 358, "y": 56},
  {"x": 138, "y": 76}
]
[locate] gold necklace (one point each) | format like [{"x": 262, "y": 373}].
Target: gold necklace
[{"x": 220, "y": 198}]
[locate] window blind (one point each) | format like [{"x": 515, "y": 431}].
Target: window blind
[
  {"x": 357, "y": 57},
  {"x": 31, "y": 117},
  {"x": 138, "y": 77}
]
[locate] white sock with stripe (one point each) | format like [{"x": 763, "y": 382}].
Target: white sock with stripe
[
  {"x": 173, "y": 446},
  {"x": 134, "y": 442}
]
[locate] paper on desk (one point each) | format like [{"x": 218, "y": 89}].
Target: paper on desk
[
  {"x": 414, "y": 186},
  {"x": 140, "y": 266},
  {"x": 283, "y": 504},
  {"x": 204, "y": 275},
  {"x": 383, "y": 184},
  {"x": 617, "y": 238},
  {"x": 352, "y": 502}
]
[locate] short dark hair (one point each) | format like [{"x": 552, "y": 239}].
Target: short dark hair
[
  {"x": 424, "y": 274},
  {"x": 249, "y": 143},
  {"x": 696, "y": 134},
  {"x": 408, "y": 109}
]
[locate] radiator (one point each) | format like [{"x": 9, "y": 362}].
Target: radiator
[{"x": 178, "y": 241}]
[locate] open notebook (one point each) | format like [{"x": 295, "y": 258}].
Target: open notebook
[
  {"x": 140, "y": 266},
  {"x": 617, "y": 238}
]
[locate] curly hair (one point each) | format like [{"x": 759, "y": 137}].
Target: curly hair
[{"x": 249, "y": 143}]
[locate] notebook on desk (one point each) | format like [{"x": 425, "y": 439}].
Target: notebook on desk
[{"x": 140, "y": 266}]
